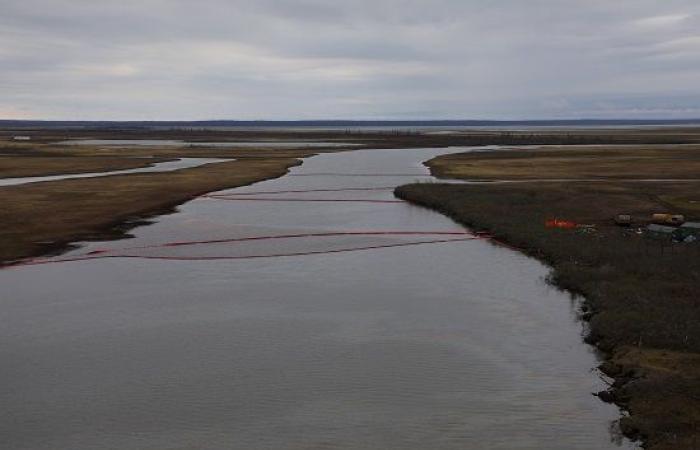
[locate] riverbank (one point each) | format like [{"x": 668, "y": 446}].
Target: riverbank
[
  {"x": 89, "y": 208},
  {"x": 37, "y": 159},
  {"x": 41, "y": 218},
  {"x": 641, "y": 295},
  {"x": 596, "y": 162},
  {"x": 32, "y": 166}
]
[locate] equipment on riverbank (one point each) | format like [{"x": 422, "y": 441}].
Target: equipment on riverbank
[
  {"x": 660, "y": 230},
  {"x": 623, "y": 220},
  {"x": 668, "y": 219},
  {"x": 687, "y": 233},
  {"x": 558, "y": 223}
]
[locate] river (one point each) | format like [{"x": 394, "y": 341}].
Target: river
[
  {"x": 166, "y": 166},
  {"x": 362, "y": 340}
]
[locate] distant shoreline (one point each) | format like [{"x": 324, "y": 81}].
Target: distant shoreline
[{"x": 575, "y": 123}]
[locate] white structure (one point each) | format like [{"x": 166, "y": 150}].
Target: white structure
[{"x": 22, "y": 138}]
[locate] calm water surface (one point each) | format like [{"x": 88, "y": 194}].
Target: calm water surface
[
  {"x": 458, "y": 345},
  {"x": 167, "y": 166}
]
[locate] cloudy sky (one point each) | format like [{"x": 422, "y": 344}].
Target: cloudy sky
[{"x": 353, "y": 59}]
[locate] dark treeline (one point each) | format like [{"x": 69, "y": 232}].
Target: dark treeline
[
  {"x": 81, "y": 124},
  {"x": 378, "y": 138}
]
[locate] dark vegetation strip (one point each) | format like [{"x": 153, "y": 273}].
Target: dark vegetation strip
[{"x": 380, "y": 139}]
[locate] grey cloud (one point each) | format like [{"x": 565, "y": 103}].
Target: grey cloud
[{"x": 282, "y": 59}]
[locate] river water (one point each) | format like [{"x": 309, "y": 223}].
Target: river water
[
  {"x": 167, "y": 166},
  {"x": 452, "y": 345}
]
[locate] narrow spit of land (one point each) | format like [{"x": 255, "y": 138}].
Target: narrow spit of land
[
  {"x": 44, "y": 217},
  {"x": 31, "y": 166},
  {"x": 39, "y": 159},
  {"x": 641, "y": 295}
]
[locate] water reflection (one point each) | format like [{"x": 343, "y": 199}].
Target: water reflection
[{"x": 167, "y": 166}]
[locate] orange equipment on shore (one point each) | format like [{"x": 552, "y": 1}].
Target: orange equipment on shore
[{"x": 558, "y": 223}]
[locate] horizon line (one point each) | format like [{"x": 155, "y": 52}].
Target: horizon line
[{"x": 360, "y": 121}]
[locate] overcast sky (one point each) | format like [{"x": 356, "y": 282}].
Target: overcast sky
[{"x": 353, "y": 59}]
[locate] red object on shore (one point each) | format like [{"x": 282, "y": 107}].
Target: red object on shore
[{"x": 557, "y": 223}]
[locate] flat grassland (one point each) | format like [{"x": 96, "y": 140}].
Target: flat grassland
[
  {"x": 45, "y": 159},
  {"x": 39, "y": 218},
  {"x": 31, "y": 166},
  {"x": 642, "y": 295},
  {"x": 575, "y": 162}
]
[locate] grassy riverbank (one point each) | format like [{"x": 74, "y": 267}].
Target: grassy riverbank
[
  {"x": 42, "y": 217},
  {"x": 45, "y": 159},
  {"x": 641, "y": 295},
  {"x": 574, "y": 162}
]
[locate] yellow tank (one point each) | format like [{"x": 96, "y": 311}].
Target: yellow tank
[{"x": 668, "y": 219}]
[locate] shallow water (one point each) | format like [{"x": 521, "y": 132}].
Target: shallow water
[
  {"x": 168, "y": 166},
  {"x": 178, "y": 143},
  {"x": 457, "y": 345}
]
